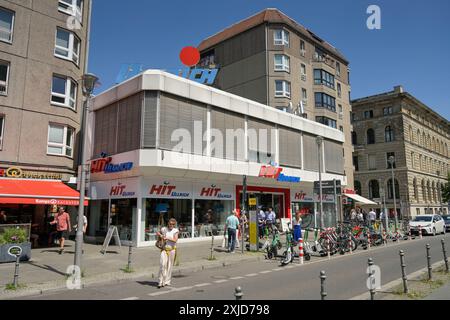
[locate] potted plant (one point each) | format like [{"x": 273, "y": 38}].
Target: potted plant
[{"x": 14, "y": 237}]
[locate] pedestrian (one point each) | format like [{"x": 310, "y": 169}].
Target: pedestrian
[
  {"x": 62, "y": 222},
  {"x": 232, "y": 225},
  {"x": 244, "y": 222},
  {"x": 3, "y": 217},
  {"x": 168, "y": 253},
  {"x": 261, "y": 221},
  {"x": 353, "y": 215},
  {"x": 372, "y": 216},
  {"x": 360, "y": 217},
  {"x": 297, "y": 223},
  {"x": 271, "y": 217}
]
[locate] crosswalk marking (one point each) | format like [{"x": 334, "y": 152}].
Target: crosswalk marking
[
  {"x": 251, "y": 275},
  {"x": 202, "y": 285},
  {"x": 131, "y": 298},
  {"x": 277, "y": 269},
  {"x": 236, "y": 278},
  {"x": 221, "y": 281},
  {"x": 267, "y": 271}
]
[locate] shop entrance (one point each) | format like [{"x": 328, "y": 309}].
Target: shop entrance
[{"x": 278, "y": 199}]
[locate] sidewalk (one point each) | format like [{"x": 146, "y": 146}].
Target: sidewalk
[
  {"x": 443, "y": 293},
  {"x": 47, "y": 269}
]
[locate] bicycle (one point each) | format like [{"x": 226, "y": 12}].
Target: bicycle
[{"x": 275, "y": 245}]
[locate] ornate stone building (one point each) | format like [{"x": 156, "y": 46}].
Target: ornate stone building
[{"x": 397, "y": 124}]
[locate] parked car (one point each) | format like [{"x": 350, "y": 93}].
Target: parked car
[
  {"x": 429, "y": 224},
  {"x": 447, "y": 222}
]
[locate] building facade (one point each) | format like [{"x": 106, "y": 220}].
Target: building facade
[
  {"x": 397, "y": 124},
  {"x": 271, "y": 59},
  {"x": 164, "y": 146},
  {"x": 43, "y": 55}
]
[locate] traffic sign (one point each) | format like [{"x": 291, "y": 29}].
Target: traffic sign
[
  {"x": 252, "y": 202},
  {"x": 15, "y": 251},
  {"x": 328, "y": 187}
]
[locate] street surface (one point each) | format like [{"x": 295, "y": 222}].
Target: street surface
[{"x": 266, "y": 280}]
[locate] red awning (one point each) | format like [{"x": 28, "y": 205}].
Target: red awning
[{"x": 38, "y": 192}]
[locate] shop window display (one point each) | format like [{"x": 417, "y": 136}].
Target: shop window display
[
  {"x": 210, "y": 217},
  {"x": 123, "y": 214}
]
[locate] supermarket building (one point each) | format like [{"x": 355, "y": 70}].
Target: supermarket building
[{"x": 140, "y": 176}]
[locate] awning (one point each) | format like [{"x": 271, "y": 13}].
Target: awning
[
  {"x": 37, "y": 192},
  {"x": 360, "y": 199}
]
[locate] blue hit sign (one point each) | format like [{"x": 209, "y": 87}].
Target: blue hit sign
[{"x": 203, "y": 76}]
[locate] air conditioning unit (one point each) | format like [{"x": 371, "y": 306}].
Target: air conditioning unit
[
  {"x": 304, "y": 77},
  {"x": 3, "y": 87},
  {"x": 303, "y": 53},
  {"x": 305, "y": 103}
]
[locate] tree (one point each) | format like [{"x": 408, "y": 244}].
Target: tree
[{"x": 446, "y": 190}]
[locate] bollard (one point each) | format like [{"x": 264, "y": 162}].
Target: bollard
[
  {"x": 403, "y": 266},
  {"x": 16, "y": 272},
  {"x": 130, "y": 250},
  {"x": 409, "y": 234},
  {"x": 350, "y": 243},
  {"x": 323, "y": 277},
  {"x": 385, "y": 238},
  {"x": 301, "y": 252},
  {"x": 368, "y": 240},
  {"x": 445, "y": 255},
  {"x": 420, "y": 232},
  {"x": 371, "y": 272},
  {"x": 238, "y": 293},
  {"x": 212, "y": 248},
  {"x": 430, "y": 269},
  {"x": 328, "y": 249}
]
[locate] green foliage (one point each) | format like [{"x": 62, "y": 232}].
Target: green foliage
[
  {"x": 13, "y": 236},
  {"x": 127, "y": 270}
]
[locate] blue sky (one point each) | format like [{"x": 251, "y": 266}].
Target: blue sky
[{"x": 412, "y": 48}]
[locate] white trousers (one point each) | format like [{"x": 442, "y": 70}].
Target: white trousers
[{"x": 166, "y": 262}]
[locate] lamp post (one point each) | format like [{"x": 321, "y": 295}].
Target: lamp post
[
  {"x": 440, "y": 192},
  {"x": 89, "y": 81},
  {"x": 392, "y": 162},
  {"x": 383, "y": 196},
  {"x": 319, "y": 141}
]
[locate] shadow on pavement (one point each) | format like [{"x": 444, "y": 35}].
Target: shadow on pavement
[
  {"x": 148, "y": 283},
  {"x": 47, "y": 267}
]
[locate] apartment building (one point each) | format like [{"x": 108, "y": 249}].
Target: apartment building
[
  {"x": 397, "y": 124},
  {"x": 274, "y": 60},
  {"x": 43, "y": 54}
]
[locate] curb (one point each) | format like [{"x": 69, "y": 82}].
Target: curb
[
  {"x": 119, "y": 276},
  {"x": 387, "y": 287}
]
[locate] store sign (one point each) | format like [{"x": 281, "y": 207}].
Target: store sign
[
  {"x": 203, "y": 76},
  {"x": 57, "y": 202},
  {"x": 302, "y": 196},
  {"x": 105, "y": 165},
  {"x": 273, "y": 172},
  {"x": 214, "y": 192},
  {"x": 120, "y": 190},
  {"x": 18, "y": 173},
  {"x": 167, "y": 190}
]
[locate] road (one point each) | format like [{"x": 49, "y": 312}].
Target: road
[{"x": 266, "y": 280}]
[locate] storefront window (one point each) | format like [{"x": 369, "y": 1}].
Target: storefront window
[
  {"x": 210, "y": 216},
  {"x": 307, "y": 211},
  {"x": 159, "y": 211},
  {"x": 123, "y": 216},
  {"x": 98, "y": 218}
]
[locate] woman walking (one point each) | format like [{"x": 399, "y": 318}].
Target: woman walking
[{"x": 170, "y": 236}]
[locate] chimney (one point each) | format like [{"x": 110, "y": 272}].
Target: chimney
[{"x": 398, "y": 89}]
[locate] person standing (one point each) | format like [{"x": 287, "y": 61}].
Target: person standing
[
  {"x": 271, "y": 216},
  {"x": 372, "y": 216},
  {"x": 353, "y": 215},
  {"x": 62, "y": 221},
  {"x": 297, "y": 223},
  {"x": 232, "y": 225},
  {"x": 167, "y": 258},
  {"x": 3, "y": 217},
  {"x": 261, "y": 222}
]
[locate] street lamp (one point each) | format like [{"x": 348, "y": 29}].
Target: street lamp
[
  {"x": 88, "y": 83},
  {"x": 383, "y": 196},
  {"x": 392, "y": 162},
  {"x": 319, "y": 141}
]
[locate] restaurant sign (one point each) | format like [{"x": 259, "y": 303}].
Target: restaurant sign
[{"x": 18, "y": 173}]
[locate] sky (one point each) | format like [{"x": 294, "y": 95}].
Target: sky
[{"x": 411, "y": 49}]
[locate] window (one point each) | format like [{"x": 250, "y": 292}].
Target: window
[
  {"x": 374, "y": 189},
  {"x": 389, "y": 134},
  {"x": 304, "y": 95},
  {"x": 325, "y": 101},
  {"x": 341, "y": 128},
  {"x": 6, "y": 25},
  {"x": 413, "y": 162},
  {"x": 282, "y": 89},
  {"x": 281, "y": 37},
  {"x": 319, "y": 55},
  {"x": 370, "y": 136},
  {"x": 327, "y": 121},
  {"x": 339, "y": 90},
  {"x": 352, "y": 117},
  {"x": 358, "y": 187},
  {"x": 282, "y": 62},
  {"x": 354, "y": 138},
  {"x": 4, "y": 77},
  {"x": 60, "y": 140},
  {"x": 397, "y": 189},
  {"x": 356, "y": 163},
  {"x": 368, "y": 114},
  {"x": 388, "y": 111},
  {"x": 372, "y": 161},
  {"x": 72, "y": 7},
  {"x": 338, "y": 69},
  {"x": 67, "y": 45},
  {"x": 2, "y": 126},
  {"x": 64, "y": 92},
  {"x": 388, "y": 155},
  {"x": 323, "y": 77},
  {"x": 302, "y": 48},
  {"x": 416, "y": 190},
  {"x": 341, "y": 111},
  {"x": 303, "y": 71}
]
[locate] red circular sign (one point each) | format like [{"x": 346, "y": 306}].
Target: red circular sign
[{"x": 190, "y": 56}]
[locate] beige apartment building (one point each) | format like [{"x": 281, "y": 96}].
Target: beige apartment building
[
  {"x": 397, "y": 124},
  {"x": 43, "y": 53},
  {"x": 271, "y": 59}
]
